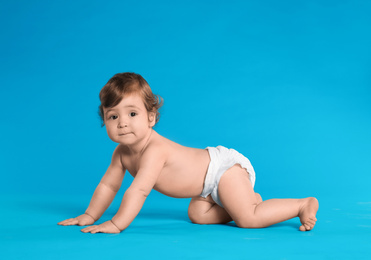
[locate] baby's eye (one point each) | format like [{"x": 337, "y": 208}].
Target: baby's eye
[
  {"x": 113, "y": 117},
  {"x": 132, "y": 114}
]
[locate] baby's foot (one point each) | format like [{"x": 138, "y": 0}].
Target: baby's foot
[{"x": 307, "y": 213}]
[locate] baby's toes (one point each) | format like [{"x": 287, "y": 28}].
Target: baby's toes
[
  {"x": 305, "y": 227},
  {"x": 311, "y": 222}
]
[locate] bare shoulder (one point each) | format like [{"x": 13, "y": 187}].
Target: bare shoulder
[
  {"x": 151, "y": 163},
  {"x": 117, "y": 155},
  {"x": 155, "y": 153}
]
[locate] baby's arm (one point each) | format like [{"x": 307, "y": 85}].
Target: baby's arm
[
  {"x": 103, "y": 194},
  {"x": 150, "y": 167}
]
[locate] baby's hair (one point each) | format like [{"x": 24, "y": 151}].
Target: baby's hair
[{"x": 122, "y": 84}]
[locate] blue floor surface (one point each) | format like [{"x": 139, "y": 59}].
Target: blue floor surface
[{"x": 162, "y": 230}]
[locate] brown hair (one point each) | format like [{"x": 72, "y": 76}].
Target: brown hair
[{"x": 127, "y": 83}]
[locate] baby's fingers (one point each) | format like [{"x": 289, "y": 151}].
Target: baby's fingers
[
  {"x": 91, "y": 229},
  {"x": 68, "y": 222}
]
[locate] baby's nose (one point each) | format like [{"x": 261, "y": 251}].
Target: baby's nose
[{"x": 122, "y": 124}]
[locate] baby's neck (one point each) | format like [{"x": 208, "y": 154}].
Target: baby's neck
[{"x": 138, "y": 148}]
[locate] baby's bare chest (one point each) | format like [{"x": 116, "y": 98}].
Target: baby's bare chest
[{"x": 182, "y": 175}]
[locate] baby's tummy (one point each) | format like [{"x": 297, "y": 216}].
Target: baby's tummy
[{"x": 184, "y": 178}]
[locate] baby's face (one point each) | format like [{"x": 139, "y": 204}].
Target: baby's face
[{"x": 128, "y": 122}]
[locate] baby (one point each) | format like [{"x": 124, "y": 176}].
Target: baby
[{"x": 220, "y": 181}]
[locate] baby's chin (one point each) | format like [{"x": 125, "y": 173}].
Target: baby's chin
[{"x": 124, "y": 139}]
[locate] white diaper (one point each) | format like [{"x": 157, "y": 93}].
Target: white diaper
[{"x": 221, "y": 160}]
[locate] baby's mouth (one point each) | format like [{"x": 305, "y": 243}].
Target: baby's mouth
[{"x": 122, "y": 134}]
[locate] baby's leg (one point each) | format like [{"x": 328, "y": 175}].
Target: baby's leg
[
  {"x": 258, "y": 197},
  {"x": 206, "y": 211},
  {"x": 239, "y": 200}
]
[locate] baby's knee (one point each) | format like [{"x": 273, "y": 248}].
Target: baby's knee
[
  {"x": 196, "y": 217},
  {"x": 247, "y": 223},
  {"x": 192, "y": 215},
  {"x": 195, "y": 214},
  {"x": 248, "y": 220}
]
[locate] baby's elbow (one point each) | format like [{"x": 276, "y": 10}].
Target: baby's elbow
[
  {"x": 144, "y": 192},
  {"x": 139, "y": 191},
  {"x": 114, "y": 188}
]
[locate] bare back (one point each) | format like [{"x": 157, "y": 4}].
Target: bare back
[{"x": 183, "y": 173}]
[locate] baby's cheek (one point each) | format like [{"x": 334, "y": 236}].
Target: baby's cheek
[{"x": 110, "y": 133}]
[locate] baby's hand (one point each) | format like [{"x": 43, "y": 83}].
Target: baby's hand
[
  {"x": 81, "y": 220},
  {"x": 106, "y": 227}
]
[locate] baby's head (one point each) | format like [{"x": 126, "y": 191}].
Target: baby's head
[{"x": 124, "y": 84}]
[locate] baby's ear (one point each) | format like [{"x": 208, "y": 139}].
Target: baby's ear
[{"x": 152, "y": 119}]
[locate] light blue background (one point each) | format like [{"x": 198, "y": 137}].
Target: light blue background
[{"x": 286, "y": 83}]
